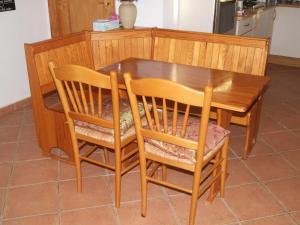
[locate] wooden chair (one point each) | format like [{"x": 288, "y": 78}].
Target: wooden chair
[
  {"x": 169, "y": 138},
  {"x": 96, "y": 118}
]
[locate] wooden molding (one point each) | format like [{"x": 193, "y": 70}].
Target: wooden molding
[
  {"x": 15, "y": 106},
  {"x": 284, "y": 60}
]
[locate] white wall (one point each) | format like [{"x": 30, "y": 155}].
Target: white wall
[
  {"x": 196, "y": 15},
  {"x": 286, "y": 32},
  {"x": 28, "y": 23},
  {"x": 149, "y": 13}
]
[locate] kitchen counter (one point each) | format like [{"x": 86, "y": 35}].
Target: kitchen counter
[
  {"x": 251, "y": 12},
  {"x": 286, "y": 4}
]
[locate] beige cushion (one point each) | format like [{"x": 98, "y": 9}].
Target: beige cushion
[
  {"x": 214, "y": 138},
  {"x": 126, "y": 119},
  {"x": 101, "y": 135}
]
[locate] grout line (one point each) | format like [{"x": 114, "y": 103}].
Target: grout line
[
  {"x": 266, "y": 188},
  {"x": 173, "y": 211},
  {"x": 293, "y": 219},
  {"x": 288, "y": 162},
  {"x": 28, "y": 216},
  {"x": 58, "y": 195},
  {"x": 106, "y": 178},
  {"x": 5, "y": 197},
  {"x": 231, "y": 211},
  {"x": 265, "y": 217}
]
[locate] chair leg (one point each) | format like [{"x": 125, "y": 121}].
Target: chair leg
[
  {"x": 212, "y": 191},
  {"x": 78, "y": 174},
  {"x": 106, "y": 156},
  {"x": 224, "y": 167},
  {"x": 194, "y": 199},
  {"x": 164, "y": 172},
  {"x": 117, "y": 178},
  {"x": 193, "y": 209},
  {"x": 143, "y": 172}
]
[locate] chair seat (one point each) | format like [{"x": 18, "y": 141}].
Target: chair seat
[
  {"x": 102, "y": 136},
  {"x": 107, "y": 134},
  {"x": 214, "y": 139}
]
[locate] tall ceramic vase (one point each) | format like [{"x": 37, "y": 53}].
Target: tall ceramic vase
[{"x": 127, "y": 12}]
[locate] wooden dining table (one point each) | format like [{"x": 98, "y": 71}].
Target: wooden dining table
[{"x": 232, "y": 92}]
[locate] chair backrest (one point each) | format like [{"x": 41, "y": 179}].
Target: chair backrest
[
  {"x": 216, "y": 51},
  {"x": 82, "y": 92},
  {"x": 163, "y": 122}
]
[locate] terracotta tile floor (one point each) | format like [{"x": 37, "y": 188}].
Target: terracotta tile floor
[{"x": 263, "y": 190}]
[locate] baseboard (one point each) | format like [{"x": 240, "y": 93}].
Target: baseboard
[
  {"x": 284, "y": 60},
  {"x": 15, "y": 106}
]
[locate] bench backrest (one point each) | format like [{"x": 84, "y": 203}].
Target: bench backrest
[
  {"x": 112, "y": 46},
  {"x": 224, "y": 52},
  {"x": 70, "y": 49}
]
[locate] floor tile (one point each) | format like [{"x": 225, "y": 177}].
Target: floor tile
[
  {"x": 207, "y": 213},
  {"x": 270, "y": 167},
  {"x": 276, "y": 220},
  {"x": 28, "y": 118},
  {"x": 291, "y": 122},
  {"x": 267, "y": 124},
  {"x": 101, "y": 216},
  {"x": 231, "y": 154},
  {"x": 28, "y": 150},
  {"x": 236, "y": 130},
  {"x": 2, "y": 191},
  {"x": 282, "y": 141},
  {"x": 9, "y": 134},
  {"x": 5, "y": 172},
  {"x": 158, "y": 212},
  {"x": 293, "y": 157},
  {"x": 12, "y": 119},
  {"x": 251, "y": 201},
  {"x": 294, "y": 104},
  {"x": 30, "y": 172},
  {"x": 35, "y": 220},
  {"x": 68, "y": 171},
  {"x": 94, "y": 193},
  {"x": 31, "y": 200},
  {"x": 260, "y": 148},
  {"x": 287, "y": 191},
  {"x": 279, "y": 110},
  {"x": 183, "y": 179},
  {"x": 7, "y": 152},
  {"x": 130, "y": 187},
  {"x": 27, "y": 133},
  {"x": 238, "y": 173}
]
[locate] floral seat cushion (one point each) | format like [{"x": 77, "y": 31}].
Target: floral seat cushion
[
  {"x": 215, "y": 137},
  {"x": 126, "y": 121}
]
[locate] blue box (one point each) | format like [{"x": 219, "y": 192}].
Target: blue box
[{"x": 104, "y": 25}]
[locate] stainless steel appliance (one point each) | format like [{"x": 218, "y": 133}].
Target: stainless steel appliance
[{"x": 224, "y": 16}]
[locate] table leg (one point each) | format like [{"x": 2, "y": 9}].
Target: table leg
[{"x": 223, "y": 120}]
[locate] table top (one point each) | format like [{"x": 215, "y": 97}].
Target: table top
[{"x": 232, "y": 91}]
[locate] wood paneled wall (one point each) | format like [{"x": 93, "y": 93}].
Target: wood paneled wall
[
  {"x": 231, "y": 53},
  {"x": 74, "y": 49},
  {"x": 111, "y": 47}
]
